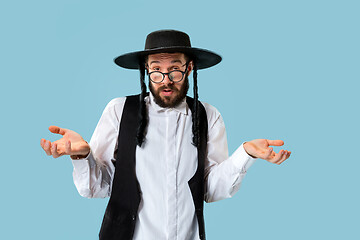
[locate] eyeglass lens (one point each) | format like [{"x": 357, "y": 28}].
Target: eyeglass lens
[{"x": 174, "y": 76}]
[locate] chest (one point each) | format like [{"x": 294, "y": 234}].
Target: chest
[{"x": 168, "y": 154}]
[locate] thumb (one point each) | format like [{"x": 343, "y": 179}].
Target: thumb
[
  {"x": 275, "y": 142},
  {"x": 57, "y": 130}
]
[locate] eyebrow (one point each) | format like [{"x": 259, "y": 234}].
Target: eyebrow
[
  {"x": 176, "y": 61},
  {"x": 173, "y": 61}
]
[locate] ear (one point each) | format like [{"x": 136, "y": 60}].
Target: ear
[{"x": 190, "y": 66}]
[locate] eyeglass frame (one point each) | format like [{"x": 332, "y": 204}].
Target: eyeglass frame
[{"x": 164, "y": 74}]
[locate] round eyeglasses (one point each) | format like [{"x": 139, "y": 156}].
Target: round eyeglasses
[{"x": 174, "y": 76}]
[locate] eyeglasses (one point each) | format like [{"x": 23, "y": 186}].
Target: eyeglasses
[{"x": 174, "y": 76}]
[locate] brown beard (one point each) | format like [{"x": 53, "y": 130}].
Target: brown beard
[{"x": 181, "y": 94}]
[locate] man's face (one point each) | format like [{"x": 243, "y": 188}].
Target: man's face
[{"x": 168, "y": 93}]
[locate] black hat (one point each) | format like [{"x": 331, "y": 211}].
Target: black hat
[{"x": 168, "y": 41}]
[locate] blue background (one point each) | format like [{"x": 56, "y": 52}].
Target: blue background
[{"x": 290, "y": 71}]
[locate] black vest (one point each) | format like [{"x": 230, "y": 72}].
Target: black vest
[{"x": 121, "y": 212}]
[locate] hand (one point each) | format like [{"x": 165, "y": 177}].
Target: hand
[
  {"x": 259, "y": 148},
  {"x": 70, "y": 144}
]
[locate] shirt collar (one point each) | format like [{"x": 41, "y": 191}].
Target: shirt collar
[{"x": 182, "y": 107}]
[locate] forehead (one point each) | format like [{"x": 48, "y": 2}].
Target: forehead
[{"x": 166, "y": 58}]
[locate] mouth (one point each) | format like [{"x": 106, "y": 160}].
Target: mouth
[{"x": 167, "y": 92}]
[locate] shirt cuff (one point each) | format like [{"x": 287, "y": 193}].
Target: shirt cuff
[
  {"x": 82, "y": 165},
  {"x": 241, "y": 159}
]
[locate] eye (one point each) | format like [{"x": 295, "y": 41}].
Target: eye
[
  {"x": 156, "y": 68},
  {"x": 175, "y": 68}
]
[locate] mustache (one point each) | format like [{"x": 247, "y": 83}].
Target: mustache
[{"x": 171, "y": 87}]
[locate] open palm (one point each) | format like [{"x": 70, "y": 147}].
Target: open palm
[
  {"x": 70, "y": 144},
  {"x": 260, "y": 148}
]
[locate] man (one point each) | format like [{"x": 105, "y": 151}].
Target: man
[{"x": 160, "y": 155}]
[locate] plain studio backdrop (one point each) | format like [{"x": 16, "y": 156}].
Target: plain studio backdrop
[{"x": 290, "y": 71}]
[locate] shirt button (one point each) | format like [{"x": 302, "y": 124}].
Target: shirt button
[{"x": 133, "y": 217}]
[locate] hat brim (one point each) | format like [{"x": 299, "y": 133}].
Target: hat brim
[{"x": 204, "y": 58}]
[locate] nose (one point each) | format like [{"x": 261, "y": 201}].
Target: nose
[{"x": 167, "y": 80}]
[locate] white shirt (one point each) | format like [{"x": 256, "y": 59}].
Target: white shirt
[{"x": 164, "y": 165}]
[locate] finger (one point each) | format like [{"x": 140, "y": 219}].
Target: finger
[
  {"x": 283, "y": 158},
  {"x": 68, "y": 147},
  {"x": 54, "y": 151},
  {"x": 286, "y": 156},
  {"x": 277, "y": 157},
  {"x": 42, "y": 142},
  {"x": 46, "y": 147},
  {"x": 275, "y": 142},
  {"x": 57, "y": 130},
  {"x": 281, "y": 161}
]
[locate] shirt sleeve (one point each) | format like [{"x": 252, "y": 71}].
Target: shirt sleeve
[
  {"x": 94, "y": 174},
  {"x": 223, "y": 174}
]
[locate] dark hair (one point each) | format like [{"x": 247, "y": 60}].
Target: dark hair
[
  {"x": 143, "y": 116},
  {"x": 195, "y": 110}
]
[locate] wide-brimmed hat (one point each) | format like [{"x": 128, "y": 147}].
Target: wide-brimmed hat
[{"x": 168, "y": 41}]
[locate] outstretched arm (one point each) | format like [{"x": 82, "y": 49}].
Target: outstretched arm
[
  {"x": 260, "y": 148},
  {"x": 70, "y": 144},
  {"x": 224, "y": 177},
  {"x": 224, "y": 174},
  {"x": 93, "y": 162}
]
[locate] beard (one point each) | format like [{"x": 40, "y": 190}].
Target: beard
[{"x": 168, "y": 101}]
